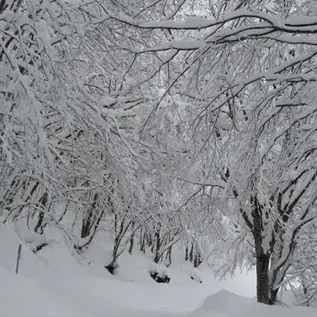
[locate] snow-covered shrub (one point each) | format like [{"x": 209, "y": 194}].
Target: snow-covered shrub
[
  {"x": 195, "y": 275},
  {"x": 158, "y": 273},
  {"x": 112, "y": 267}
]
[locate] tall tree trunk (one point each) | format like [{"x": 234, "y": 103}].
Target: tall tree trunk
[
  {"x": 157, "y": 246},
  {"x": 39, "y": 228},
  {"x": 197, "y": 259},
  {"x": 262, "y": 278},
  {"x": 123, "y": 228},
  {"x": 131, "y": 239},
  {"x": 264, "y": 289},
  {"x": 92, "y": 235},
  {"x": 142, "y": 240},
  {"x": 149, "y": 240},
  {"x": 191, "y": 253},
  {"x": 88, "y": 218},
  {"x": 169, "y": 255}
]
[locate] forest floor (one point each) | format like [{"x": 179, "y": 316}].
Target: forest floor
[{"x": 54, "y": 284}]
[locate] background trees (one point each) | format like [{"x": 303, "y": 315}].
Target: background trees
[
  {"x": 166, "y": 122},
  {"x": 246, "y": 69}
]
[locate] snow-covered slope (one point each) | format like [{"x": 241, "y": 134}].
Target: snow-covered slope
[
  {"x": 227, "y": 304},
  {"x": 30, "y": 264},
  {"x": 21, "y": 297},
  {"x": 54, "y": 283}
]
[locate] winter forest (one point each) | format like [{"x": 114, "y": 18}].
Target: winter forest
[{"x": 165, "y": 124}]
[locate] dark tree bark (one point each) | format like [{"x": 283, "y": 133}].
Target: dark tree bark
[
  {"x": 265, "y": 292},
  {"x": 131, "y": 239},
  {"x": 123, "y": 228},
  {"x": 142, "y": 240},
  {"x": 169, "y": 255},
  {"x": 92, "y": 235},
  {"x": 88, "y": 219},
  {"x": 191, "y": 253},
  {"x": 157, "y": 246},
  {"x": 197, "y": 259},
  {"x": 39, "y": 228}
]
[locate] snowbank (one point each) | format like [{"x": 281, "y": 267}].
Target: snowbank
[
  {"x": 30, "y": 264},
  {"x": 54, "y": 283},
  {"x": 226, "y": 304},
  {"x": 19, "y": 297}
]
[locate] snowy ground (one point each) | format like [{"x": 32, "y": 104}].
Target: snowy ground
[{"x": 56, "y": 285}]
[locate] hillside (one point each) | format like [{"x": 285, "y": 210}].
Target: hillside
[{"x": 53, "y": 283}]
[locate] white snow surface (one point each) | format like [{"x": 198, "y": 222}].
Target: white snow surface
[
  {"x": 227, "y": 304},
  {"x": 54, "y": 283}
]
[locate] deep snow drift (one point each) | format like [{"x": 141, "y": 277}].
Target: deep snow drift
[
  {"x": 227, "y": 304},
  {"x": 54, "y": 283}
]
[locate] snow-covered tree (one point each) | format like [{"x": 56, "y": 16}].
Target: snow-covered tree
[{"x": 247, "y": 68}]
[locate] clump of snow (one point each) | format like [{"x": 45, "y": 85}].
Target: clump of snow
[
  {"x": 195, "y": 275},
  {"x": 159, "y": 273}
]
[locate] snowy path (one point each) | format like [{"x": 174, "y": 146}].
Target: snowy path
[
  {"x": 95, "y": 296},
  {"x": 52, "y": 296}
]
